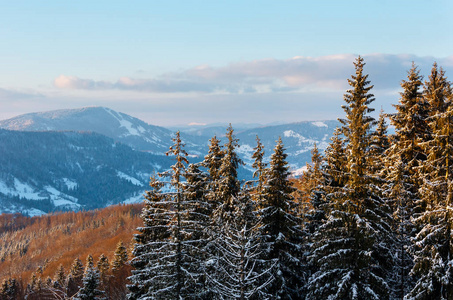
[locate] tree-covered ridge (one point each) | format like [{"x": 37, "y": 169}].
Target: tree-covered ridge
[
  {"x": 62, "y": 171},
  {"x": 369, "y": 219},
  {"x": 55, "y": 246}
]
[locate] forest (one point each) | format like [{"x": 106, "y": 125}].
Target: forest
[{"x": 369, "y": 219}]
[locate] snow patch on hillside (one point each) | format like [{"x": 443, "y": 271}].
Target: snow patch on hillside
[
  {"x": 134, "y": 199},
  {"x": 132, "y": 180},
  {"x": 319, "y": 124},
  {"x": 125, "y": 123},
  {"x": 60, "y": 199},
  {"x": 21, "y": 190},
  {"x": 33, "y": 212},
  {"x": 70, "y": 183},
  {"x": 301, "y": 139}
]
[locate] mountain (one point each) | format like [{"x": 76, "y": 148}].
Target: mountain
[
  {"x": 93, "y": 157},
  {"x": 121, "y": 127},
  {"x": 209, "y": 130},
  {"x": 298, "y": 138},
  {"x": 41, "y": 172}
]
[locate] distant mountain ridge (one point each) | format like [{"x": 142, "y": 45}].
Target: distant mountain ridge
[
  {"x": 69, "y": 153},
  {"x": 121, "y": 127},
  {"x": 298, "y": 138},
  {"x": 42, "y": 172}
]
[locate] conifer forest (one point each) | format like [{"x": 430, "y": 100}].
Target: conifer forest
[{"x": 371, "y": 218}]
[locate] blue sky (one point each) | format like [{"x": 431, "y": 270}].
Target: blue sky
[{"x": 176, "y": 62}]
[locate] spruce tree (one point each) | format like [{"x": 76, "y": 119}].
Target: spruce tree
[
  {"x": 315, "y": 181},
  {"x": 279, "y": 231},
  {"x": 151, "y": 244},
  {"x": 75, "y": 277},
  {"x": 404, "y": 158},
  {"x": 168, "y": 265},
  {"x": 91, "y": 282},
  {"x": 120, "y": 258},
  {"x": 212, "y": 162},
  {"x": 228, "y": 186},
  {"x": 260, "y": 169},
  {"x": 351, "y": 250},
  {"x": 433, "y": 245}
]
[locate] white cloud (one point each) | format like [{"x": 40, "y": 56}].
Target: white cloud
[{"x": 266, "y": 76}]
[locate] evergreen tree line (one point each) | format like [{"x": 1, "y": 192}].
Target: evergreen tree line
[
  {"x": 376, "y": 224},
  {"x": 210, "y": 237}
]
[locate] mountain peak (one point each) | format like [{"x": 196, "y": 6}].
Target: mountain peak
[{"x": 103, "y": 120}]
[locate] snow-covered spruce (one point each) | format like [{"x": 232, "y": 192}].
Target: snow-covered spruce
[{"x": 351, "y": 250}]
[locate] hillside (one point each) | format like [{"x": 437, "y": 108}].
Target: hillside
[
  {"x": 298, "y": 138},
  {"x": 46, "y": 242},
  {"x": 41, "y": 172},
  {"x": 116, "y": 125}
]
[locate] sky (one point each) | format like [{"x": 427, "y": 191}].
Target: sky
[{"x": 172, "y": 63}]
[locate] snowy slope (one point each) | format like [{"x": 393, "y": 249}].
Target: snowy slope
[
  {"x": 42, "y": 172},
  {"x": 298, "y": 138},
  {"x": 121, "y": 127}
]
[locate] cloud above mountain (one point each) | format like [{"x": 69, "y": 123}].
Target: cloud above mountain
[
  {"x": 266, "y": 90},
  {"x": 266, "y": 76}
]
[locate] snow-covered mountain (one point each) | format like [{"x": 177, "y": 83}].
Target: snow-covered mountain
[
  {"x": 298, "y": 138},
  {"x": 121, "y": 127},
  {"x": 42, "y": 172},
  {"x": 71, "y": 159}
]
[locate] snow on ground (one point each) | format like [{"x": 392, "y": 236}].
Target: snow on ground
[
  {"x": 246, "y": 150},
  {"x": 33, "y": 212},
  {"x": 301, "y": 138},
  {"x": 319, "y": 124},
  {"x": 56, "y": 194},
  {"x": 134, "y": 199},
  {"x": 298, "y": 172},
  {"x": 60, "y": 199},
  {"x": 128, "y": 125},
  {"x": 132, "y": 180},
  {"x": 70, "y": 184},
  {"x": 124, "y": 123},
  {"x": 21, "y": 190}
]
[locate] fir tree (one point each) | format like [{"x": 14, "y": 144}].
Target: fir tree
[
  {"x": 103, "y": 266},
  {"x": 279, "y": 230},
  {"x": 314, "y": 179},
  {"x": 197, "y": 227},
  {"x": 239, "y": 271},
  {"x": 379, "y": 143},
  {"x": 335, "y": 163},
  {"x": 60, "y": 277},
  {"x": 75, "y": 277},
  {"x": 260, "y": 169},
  {"x": 167, "y": 265},
  {"x": 432, "y": 250},
  {"x": 91, "y": 282},
  {"x": 151, "y": 244},
  {"x": 212, "y": 162},
  {"x": 351, "y": 250},
  {"x": 120, "y": 258},
  {"x": 228, "y": 186},
  {"x": 404, "y": 158},
  {"x": 9, "y": 289}
]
